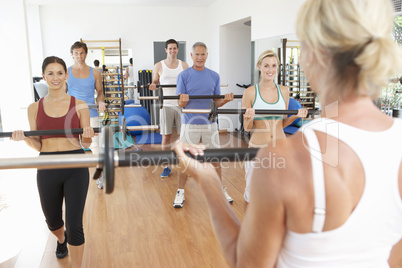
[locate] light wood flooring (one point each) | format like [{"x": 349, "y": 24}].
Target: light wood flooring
[{"x": 135, "y": 226}]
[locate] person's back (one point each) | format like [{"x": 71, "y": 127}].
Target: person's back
[
  {"x": 342, "y": 195},
  {"x": 362, "y": 206}
]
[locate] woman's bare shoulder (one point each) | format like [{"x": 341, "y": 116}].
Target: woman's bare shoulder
[
  {"x": 284, "y": 89},
  {"x": 33, "y": 106},
  {"x": 250, "y": 91}
]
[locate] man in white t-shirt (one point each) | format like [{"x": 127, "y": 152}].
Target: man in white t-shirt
[{"x": 165, "y": 73}]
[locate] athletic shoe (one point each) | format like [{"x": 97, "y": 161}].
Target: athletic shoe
[
  {"x": 99, "y": 182},
  {"x": 228, "y": 198},
  {"x": 179, "y": 199},
  {"x": 166, "y": 172},
  {"x": 62, "y": 250}
]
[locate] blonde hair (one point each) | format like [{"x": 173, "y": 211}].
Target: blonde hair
[
  {"x": 355, "y": 36},
  {"x": 267, "y": 53}
]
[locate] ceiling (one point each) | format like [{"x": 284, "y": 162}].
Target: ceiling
[{"x": 163, "y": 3}]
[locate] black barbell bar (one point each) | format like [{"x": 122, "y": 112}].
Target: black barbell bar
[
  {"x": 213, "y": 111},
  {"x": 108, "y": 159},
  {"x": 173, "y": 85},
  {"x": 160, "y": 98},
  {"x": 53, "y": 132}
]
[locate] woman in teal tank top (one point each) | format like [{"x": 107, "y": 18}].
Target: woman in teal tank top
[{"x": 267, "y": 95}]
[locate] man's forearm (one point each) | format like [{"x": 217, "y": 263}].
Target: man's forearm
[{"x": 220, "y": 102}]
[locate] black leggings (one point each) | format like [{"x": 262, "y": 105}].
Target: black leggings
[{"x": 71, "y": 184}]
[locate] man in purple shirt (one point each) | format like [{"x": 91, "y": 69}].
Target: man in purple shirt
[{"x": 196, "y": 128}]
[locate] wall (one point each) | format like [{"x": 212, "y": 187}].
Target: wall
[
  {"x": 138, "y": 27},
  {"x": 35, "y": 39},
  {"x": 53, "y": 28},
  {"x": 16, "y": 91},
  {"x": 269, "y": 18}
]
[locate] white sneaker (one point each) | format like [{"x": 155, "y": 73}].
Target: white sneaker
[
  {"x": 228, "y": 198},
  {"x": 179, "y": 199},
  {"x": 99, "y": 182}
]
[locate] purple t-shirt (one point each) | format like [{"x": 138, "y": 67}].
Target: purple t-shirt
[{"x": 192, "y": 82}]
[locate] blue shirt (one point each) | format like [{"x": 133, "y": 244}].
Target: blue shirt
[
  {"x": 192, "y": 82},
  {"x": 83, "y": 89}
]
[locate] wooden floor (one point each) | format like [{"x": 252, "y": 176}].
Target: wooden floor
[{"x": 137, "y": 225}]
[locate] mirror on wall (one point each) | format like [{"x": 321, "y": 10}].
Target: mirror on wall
[
  {"x": 289, "y": 74},
  {"x": 260, "y": 45},
  {"x": 112, "y": 57}
]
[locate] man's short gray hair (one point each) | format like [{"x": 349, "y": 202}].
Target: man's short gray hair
[{"x": 200, "y": 44}]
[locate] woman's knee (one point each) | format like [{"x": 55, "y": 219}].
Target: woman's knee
[
  {"x": 75, "y": 235},
  {"x": 54, "y": 224}
]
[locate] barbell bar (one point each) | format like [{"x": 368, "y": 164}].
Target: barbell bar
[
  {"x": 191, "y": 97},
  {"x": 115, "y": 106},
  {"x": 108, "y": 159},
  {"x": 160, "y": 89},
  {"x": 213, "y": 111},
  {"x": 53, "y": 132},
  {"x": 173, "y": 85},
  {"x": 167, "y": 85},
  {"x": 120, "y": 106},
  {"x": 160, "y": 98}
]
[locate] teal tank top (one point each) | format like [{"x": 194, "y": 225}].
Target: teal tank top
[
  {"x": 83, "y": 89},
  {"x": 260, "y": 104}
]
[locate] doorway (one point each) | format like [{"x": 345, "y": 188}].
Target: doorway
[{"x": 235, "y": 65}]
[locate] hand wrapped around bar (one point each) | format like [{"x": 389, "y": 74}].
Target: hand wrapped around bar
[{"x": 192, "y": 167}]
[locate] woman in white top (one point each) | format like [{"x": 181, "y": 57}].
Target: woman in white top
[{"x": 338, "y": 201}]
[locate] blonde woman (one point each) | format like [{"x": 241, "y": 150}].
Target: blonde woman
[
  {"x": 266, "y": 95},
  {"x": 338, "y": 202}
]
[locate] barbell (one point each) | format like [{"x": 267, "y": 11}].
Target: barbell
[
  {"x": 50, "y": 132},
  {"x": 120, "y": 106},
  {"x": 173, "y": 85},
  {"x": 138, "y": 86},
  {"x": 160, "y": 98},
  {"x": 213, "y": 111},
  {"x": 108, "y": 159}
]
